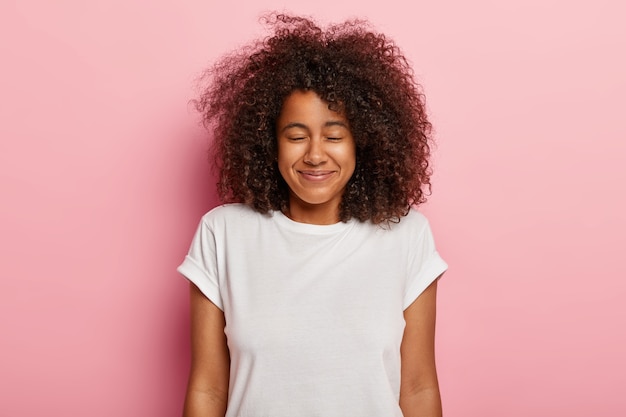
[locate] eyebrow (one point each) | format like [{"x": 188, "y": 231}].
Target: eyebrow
[{"x": 330, "y": 123}]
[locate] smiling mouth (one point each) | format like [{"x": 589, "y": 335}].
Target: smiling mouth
[{"x": 316, "y": 175}]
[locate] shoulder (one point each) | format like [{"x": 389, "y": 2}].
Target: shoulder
[
  {"x": 227, "y": 210},
  {"x": 415, "y": 217},
  {"x": 231, "y": 214},
  {"x": 413, "y": 222}
]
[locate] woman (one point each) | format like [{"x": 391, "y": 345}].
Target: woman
[{"x": 314, "y": 288}]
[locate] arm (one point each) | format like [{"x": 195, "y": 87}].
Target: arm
[
  {"x": 419, "y": 388},
  {"x": 207, "y": 390}
]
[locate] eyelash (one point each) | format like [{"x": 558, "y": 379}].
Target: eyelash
[{"x": 332, "y": 139}]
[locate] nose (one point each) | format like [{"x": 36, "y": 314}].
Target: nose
[{"x": 315, "y": 154}]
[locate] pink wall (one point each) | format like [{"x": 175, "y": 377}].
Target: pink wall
[{"x": 103, "y": 179}]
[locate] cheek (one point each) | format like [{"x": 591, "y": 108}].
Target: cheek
[
  {"x": 283, "y": 160},
  {"x": 349, "y": 158},
  {"x": 284, "y": 171}
]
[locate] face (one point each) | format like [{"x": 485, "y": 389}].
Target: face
[{"x": 316, "y": 157}]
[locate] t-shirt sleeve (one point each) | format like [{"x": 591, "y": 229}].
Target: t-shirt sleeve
[
  {"x": 425, "y": 265},
  {"x": 200, "y": 264}
]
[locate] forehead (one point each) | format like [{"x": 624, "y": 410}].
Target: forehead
[{"x": 307, "y": 106}]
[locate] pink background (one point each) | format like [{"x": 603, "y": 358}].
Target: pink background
[{"x": 103, "y": 179}]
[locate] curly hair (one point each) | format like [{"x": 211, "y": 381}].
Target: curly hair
[{"x": 358, "y": 71}]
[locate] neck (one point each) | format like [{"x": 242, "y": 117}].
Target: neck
[{"x": 312, "y": 213}]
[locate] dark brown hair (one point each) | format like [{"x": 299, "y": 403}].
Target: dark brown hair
[{"x": 352, "y": 68}]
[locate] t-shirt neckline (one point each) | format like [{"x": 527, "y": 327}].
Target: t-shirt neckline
[{"x": 318, "y": 229}]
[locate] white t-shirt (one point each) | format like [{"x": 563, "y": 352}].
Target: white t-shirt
[{"x": 314, "y": 313}]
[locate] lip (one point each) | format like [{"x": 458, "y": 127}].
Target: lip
[{"x": 316, "y": 175}]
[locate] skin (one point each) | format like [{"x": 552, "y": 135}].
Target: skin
[
  {"x": 207, "y": 389},
  {"x": 316, "y": 157},
  {"x": 419, "y": 387}
]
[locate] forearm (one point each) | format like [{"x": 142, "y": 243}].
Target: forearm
[
  {"x": 207, "y": 389},
  {"x": 419, "y": 386},
  {"x": 421, "y": 403},
  {"x": 205, "y": 403}
]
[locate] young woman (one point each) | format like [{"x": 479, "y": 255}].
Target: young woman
[{"x": 313, "y": 289}]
